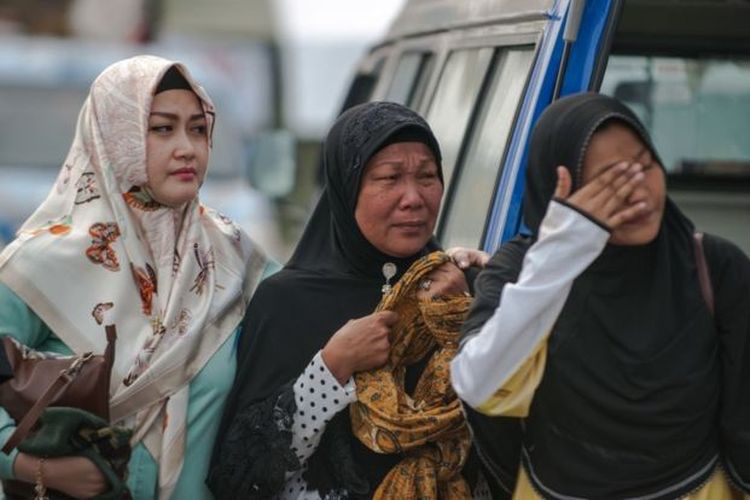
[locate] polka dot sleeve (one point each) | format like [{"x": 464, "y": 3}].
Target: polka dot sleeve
[{"x": 319, "y": 397}]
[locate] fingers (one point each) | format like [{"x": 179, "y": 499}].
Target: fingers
[
  {"x": 627, "y": 214},
  {"x": 564, "y": 183},
  {"x": 602, "y": 182},
  {"x": 623, "y": 188},
  {"x": 444, "y": 281},
  {"x": 388, "y": 318},
  {"x": 467, "y": 257},
  {"x": 609, "y": 192}
]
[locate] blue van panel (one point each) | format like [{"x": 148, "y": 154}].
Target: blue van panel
[
  {"x": 585, "y": 50},
  {"x": 538, "y": 95}
]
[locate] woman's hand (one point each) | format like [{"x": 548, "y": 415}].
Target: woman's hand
[
  {"x": 361, "y": 344},
  {"x": 605, "y": 197},
  {"x": 443, "y": 281},
  {"x": 77, "y": 477},
  {"x": 465, "y": 258}
]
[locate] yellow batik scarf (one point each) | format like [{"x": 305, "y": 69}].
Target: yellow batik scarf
[{"x": 428, "y": 427}]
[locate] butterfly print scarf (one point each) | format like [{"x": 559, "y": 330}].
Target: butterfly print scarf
[{"x": 99, "y": 250}]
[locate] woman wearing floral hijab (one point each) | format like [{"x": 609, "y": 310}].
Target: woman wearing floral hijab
[{"x": 123, "y": 238}]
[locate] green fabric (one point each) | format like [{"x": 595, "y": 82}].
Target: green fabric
[
  {"x": 72, "y": 432},
  {"x": 207, "y": 395}
]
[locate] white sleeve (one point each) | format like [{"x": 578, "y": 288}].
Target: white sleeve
[
  {"x": 318, "y": 396},
  {"x": 568, "y": 243}
]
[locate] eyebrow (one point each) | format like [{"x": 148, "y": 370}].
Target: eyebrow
[
  {"x": 422, "y": 162},
  {"x": 173, "y": 116}
]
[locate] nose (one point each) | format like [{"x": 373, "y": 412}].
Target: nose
[
  {"x": 184, "y": 147},
  {"x": 411, "y": 197}
]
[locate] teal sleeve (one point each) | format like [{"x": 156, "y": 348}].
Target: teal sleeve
[
  {"x": 20, "y": 322},
  {"x": 272, "y": 267}
]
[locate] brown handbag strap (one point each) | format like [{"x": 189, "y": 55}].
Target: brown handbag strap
[
  {"x": 32, "y": 416},
  {"x": 705, "y": 280},
  {"x": 56, "y": 387}
]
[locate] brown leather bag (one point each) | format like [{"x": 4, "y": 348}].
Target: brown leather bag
[{"x": 79, "y": 382}]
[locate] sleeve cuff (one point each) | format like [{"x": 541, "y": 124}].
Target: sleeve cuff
[
  {"x": 583, "y": 213},
  {"x": 734, "y": 477},
  {"x": 324, "y": 382}
]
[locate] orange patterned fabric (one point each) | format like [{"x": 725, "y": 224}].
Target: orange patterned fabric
[{"x": 427, "y": 427}]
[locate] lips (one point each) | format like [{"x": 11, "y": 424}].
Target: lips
[
  {"x": 410, "y": 224},
  {"x": 185, "y": 174},
  {"x": 184, "y": 171}
]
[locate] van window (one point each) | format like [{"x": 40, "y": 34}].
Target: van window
[
  {"x": 454, "y": 100},
  {"x": 410, "y": 78},
  {"x": 479, "y": 170},
  {"x": 697, "y": 109}
]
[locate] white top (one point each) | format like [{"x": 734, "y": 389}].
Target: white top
[{"x": 568, "y": 243}]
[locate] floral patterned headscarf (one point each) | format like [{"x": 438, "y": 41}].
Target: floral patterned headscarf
[{"x": 99, "y": 249}]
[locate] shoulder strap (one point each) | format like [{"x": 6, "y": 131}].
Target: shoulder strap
[
  {"x": 32, "y": 416},
  {"x": 58, "y": 385},
  {"x": 703, "y": 276}
]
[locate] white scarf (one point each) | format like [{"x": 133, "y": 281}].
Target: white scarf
[{"x": 94, "y": 248}]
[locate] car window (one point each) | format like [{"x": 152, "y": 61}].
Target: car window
[
  {"x": 476, "y": 176},
  {"x": 410, "y": 78},
  {"x": 454, "y": 100},
  {"x": 697, "y": 110}
]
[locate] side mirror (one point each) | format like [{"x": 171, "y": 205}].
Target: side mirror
[{"x": 272, "y": 168}]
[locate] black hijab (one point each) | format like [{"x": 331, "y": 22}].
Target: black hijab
[
  {"x": 628, "y": 401},
  {"x": 334, "y": 275}
]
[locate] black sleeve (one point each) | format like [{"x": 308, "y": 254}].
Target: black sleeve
[
  {"x": 730, "y": 277},
  {"x": 496, "y": 440},
  {"x": 256, "y": 453},
  {"x": 504, "y": 267}
]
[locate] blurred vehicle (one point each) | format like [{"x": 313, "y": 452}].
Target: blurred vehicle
[
  {"x": 482, "y": 71},
  {"x": 43, "y": 83}
]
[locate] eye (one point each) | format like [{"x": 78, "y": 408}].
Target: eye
[
  {"x": 200, "y": 129},
  {"x": 160, "y": 129},
  {"x": 388, "y": 178}
]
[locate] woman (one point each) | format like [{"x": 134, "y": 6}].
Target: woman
[
  {"x": 123, "y": 239},
  {"x": 288, "y": 430},
  {"x": 601, "y": 337}
]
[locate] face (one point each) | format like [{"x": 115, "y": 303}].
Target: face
[
  {"x": 399, "y": 198},
  {"x": 176, "y": 147},
  {"x": 611, "y": 145}
]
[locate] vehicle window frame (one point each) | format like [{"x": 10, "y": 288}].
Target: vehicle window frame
[
  {"x": 496, "y": 41},
  {"x": 477, "y": 116}
]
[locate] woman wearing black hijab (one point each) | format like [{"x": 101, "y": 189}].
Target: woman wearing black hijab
[
  {"x": 287, "y": 431},
  {"x": 631, "y": 380}
]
